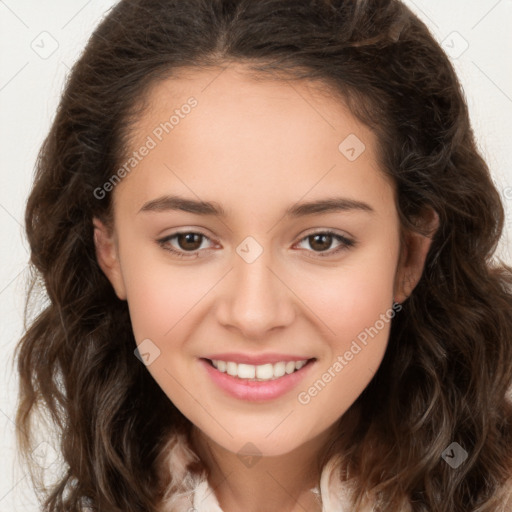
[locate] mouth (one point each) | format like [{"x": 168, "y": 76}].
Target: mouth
[
  {"x": 259, "y": 373},
  {"x": 240, "y": 381}
]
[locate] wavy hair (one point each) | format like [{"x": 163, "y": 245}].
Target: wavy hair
[{"x": 448, "y": 366}]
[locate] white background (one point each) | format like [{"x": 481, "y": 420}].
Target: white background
[{"x": 31, "y": 82}]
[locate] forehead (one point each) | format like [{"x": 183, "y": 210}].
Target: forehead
[
  {"x": 243, "y": 95},
  {"x": 249, "y": 133}
]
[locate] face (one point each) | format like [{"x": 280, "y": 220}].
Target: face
[{"x": 241, "y": 266}]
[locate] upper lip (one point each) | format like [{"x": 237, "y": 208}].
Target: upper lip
[{"x": 256, "y": 359}]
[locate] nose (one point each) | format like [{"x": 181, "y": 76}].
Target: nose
[{"x": 256, "y": 298}]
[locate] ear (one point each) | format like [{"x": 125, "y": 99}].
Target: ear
[
  {"x": 108, "y": 257},
  {"x": 414, "y": 252}
]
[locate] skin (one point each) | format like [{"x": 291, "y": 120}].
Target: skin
[{"x": 257, "y": 147}]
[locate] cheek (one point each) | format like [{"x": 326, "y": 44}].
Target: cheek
[
  {"x": 162, "y": 302},
  {"x": 161, "y": 296},
  {"x": 352, "y": 297},
  {"x": 355, "y": 305}
]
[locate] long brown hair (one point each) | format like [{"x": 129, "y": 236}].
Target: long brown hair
[{"x": 448, "y": 365}]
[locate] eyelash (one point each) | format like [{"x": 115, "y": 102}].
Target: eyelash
[{"x": 346, "y": 243}]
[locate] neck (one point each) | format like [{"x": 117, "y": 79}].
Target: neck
[{"x": 274, "y": 484}]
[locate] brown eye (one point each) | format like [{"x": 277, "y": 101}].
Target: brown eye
[
  {"x": 187, "y": 244},
  {"x": 189, "y": 241},
  {"x": 320, "y": 241}
]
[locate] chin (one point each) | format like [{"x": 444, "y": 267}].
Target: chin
[{"x": 260, "y": 445}]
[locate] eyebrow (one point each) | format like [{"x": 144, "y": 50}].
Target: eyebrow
[{"x": 177, "y": 203}]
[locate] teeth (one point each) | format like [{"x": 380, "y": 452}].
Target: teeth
[
  {"x": 290, "y": 367},
  {"x": 258, "y": 373},
  {"x": 263, "y": 371},
  {"x": 246, "y": 371}
]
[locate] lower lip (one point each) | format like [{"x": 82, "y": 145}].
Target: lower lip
[{"x": 254, "y": 391}]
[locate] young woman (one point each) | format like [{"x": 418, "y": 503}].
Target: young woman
[{"x": 267, "y": 238}]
